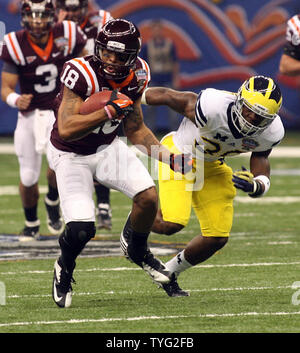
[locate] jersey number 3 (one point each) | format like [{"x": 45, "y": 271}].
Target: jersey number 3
[{"x": 50, "y": 72}]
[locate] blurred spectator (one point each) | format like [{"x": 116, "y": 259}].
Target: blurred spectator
[
  {"x": 160, "y": 53},
  {"x": 14, "y": 6}
]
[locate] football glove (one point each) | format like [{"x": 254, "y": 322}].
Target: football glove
[
  {"x": 182, "y": 163},
  {"x": 244, "y": 180},
  {"x": 122, "y": 106}
]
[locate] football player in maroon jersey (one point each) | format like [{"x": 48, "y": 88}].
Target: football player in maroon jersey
[
  {"x": 88, "y": 146},
  {"x": 34, "y": 57},
  {"x": 290, "y": 59},
  {"x": 90, "y": 22}
]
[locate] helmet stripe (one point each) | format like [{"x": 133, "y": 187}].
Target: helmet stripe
[
  {"x": 270, "y": 88},
  {"x": 251, "y": 84}
]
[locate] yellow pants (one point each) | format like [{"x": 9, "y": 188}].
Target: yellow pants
[{"x": 213, "y": 204}]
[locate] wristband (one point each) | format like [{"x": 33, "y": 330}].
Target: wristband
[
  {"x": 143, "y": 100},
  {"x": 265, "y": 181},
  {"x": 108, "y": 112},
  {"x": 12, "y": 98},
  {"x": 258, "y": 182}
]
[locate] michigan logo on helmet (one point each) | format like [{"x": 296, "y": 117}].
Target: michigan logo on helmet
[
  {"x": 262, "y": 96},
  {"x": 37, "y": 17},
  {"x": 123, "y": 38}
]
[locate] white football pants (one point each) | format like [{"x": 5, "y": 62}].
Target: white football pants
[
  {"x": 31, "y": 140},
  {"x": 116, "y": 166}
]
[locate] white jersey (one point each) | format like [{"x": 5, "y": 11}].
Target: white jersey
[{"x": 214, "y": 134}]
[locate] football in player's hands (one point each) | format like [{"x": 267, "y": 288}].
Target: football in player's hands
[{"x": 99, "y": 100}]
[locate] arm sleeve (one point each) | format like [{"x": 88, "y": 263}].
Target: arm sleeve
[{"x": 10, "y": 68}]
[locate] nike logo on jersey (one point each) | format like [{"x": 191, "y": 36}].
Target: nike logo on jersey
[
  {"x": 132, "y": 88},
  {"x": 54, "y": 55},
  {"x": 30, "y": 59}
]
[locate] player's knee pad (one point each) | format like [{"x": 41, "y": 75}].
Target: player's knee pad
[
  {"x": 76, "y": 235},
  {"x": 28, "y": 176}
]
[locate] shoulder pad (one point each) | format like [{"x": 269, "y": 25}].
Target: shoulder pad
[
  {"x": 83, "y": 81},
  {"x": 14, "y": 48}
]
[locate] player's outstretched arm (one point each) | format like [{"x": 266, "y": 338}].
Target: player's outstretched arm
[
  {"x": 182, "y": 102},
  {"x": 144, "y": 139}
]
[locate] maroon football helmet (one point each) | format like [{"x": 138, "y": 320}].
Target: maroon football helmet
[
  {"x": 123, "y": 38},
  {"x": 37, "y": 17},
  {"x": 76, "y": 9}
]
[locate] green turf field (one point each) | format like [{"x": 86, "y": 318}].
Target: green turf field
[{"x": 249, "y": 286}]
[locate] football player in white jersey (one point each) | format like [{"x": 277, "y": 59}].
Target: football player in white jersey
[
  {"x": 290, "y": 59},
  {"x": 90, "y": 23},
  {"x": 216, "y": 124}
]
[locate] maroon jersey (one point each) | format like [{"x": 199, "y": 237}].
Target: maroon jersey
[
  {"x": 39, "y": 69},
  {"x": 81, "y": 75},
  {"x": 94, "y": 22},
  {"x": 292, "y": 45},
  {"x": 92, "y": 25}
]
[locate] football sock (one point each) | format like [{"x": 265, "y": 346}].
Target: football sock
[
  {"x": 102, "y": 193},
  {"x": 137, "y": 245},
  {"x": 31, "y": 213},
  {"x": 178, "y": 264},
  {"x": 52, "y": 193}
]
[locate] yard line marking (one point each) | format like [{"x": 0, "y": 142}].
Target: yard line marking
[
  {"x": 139, "y": 269},
  {"x": 139, "y": 318},
  {"x": 239, "y": 289},
  {"x": 285, "y": 172},
  {"x": 11, "y": 190},
  {"x": 268, "y": 199},
  {"x": 249, "y": 265},
  {"x": 14, "y": 190},
  {"x": 230, "y": 289}
]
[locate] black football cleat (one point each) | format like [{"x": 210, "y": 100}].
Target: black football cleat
[
  {"x": 61, "y": 287},
  {"x": 172, "y": 288},
  {"x": 31, "y": 231},
  {"x": 142, "y": 256},
  {"x": 155, "y": 268}
]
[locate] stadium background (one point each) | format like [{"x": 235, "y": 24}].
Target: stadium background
[{"x": 220, "y": 43}]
